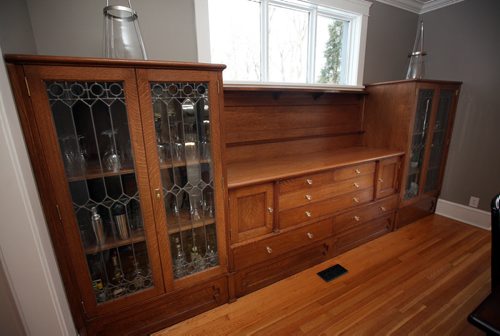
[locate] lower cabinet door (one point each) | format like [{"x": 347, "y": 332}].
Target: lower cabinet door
[
  {"x": 259, "y": 276},
  {"x": 415, "y": 211},
  {"x": 164, "y": 311},
  {"x": 362, "y": 233}
]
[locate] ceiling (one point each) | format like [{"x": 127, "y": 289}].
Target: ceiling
[{"x": 420, "y": 6}]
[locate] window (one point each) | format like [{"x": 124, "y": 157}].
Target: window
[{"x": 284, "y": 41}]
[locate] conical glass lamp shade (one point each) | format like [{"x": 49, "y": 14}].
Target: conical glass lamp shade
[
  {"x": 416, "y": 68},
  {"x": 122, "y": 36}
]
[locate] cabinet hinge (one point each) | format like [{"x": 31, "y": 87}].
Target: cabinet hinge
[
  {"x": 58, "y": 212},
  {"x": 27, "y": 86},
  {"x": 83, "y": 307}
]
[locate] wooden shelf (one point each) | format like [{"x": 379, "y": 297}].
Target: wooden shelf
[
  {"x": 252, "y": 172},
  {"x": 183, "y": 223},
  {"x": 113, "y": 243},
  {"x": 94, "y": 171}
]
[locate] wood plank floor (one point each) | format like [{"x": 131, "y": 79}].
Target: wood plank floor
[{"x": 423, "y": 279}]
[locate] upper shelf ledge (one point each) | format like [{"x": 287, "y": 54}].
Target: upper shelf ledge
[{"x": 278, "y": 88}]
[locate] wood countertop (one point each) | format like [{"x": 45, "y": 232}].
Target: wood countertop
[{"x": 241, "y": 174}]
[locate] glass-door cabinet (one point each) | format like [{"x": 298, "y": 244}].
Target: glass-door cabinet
[
  {"x": 128, "y": 164},
  {"x": 431, "y": 132},
  {"x": 181, "y": 113}
]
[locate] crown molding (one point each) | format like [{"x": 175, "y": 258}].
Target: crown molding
[{"x": 420, "y": 6}]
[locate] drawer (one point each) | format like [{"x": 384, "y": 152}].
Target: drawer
[
  {"x": 363, "y": 214},
  {"x": 362, "y": 233},
  {"x": 319, "y": 193},
  {"x": 272, "y": 247},
  {"x": 319, "y": 209},
  {"x": 305, "y": 182},
  {"x": 353, "y": 171},
  {"x": 256, "y": 277}
]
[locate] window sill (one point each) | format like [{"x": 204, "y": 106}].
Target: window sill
[{"x": 278, "y": 87}]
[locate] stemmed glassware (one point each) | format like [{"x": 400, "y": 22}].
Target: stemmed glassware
[
  {"x": 74, "y": 154},
  {"x": 112, "y": 160}
]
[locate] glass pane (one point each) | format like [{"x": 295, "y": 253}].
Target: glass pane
[
  {"x": 418, "y": 144},
  {"x": 331, "y": 39},
  {"x": 182, "y": 124},
  {"x": 288, "y": 33},
  {"x": 92, "y": 128},
  {"x": 438, "y": 140},
  {"x": 235, "y": 38}
]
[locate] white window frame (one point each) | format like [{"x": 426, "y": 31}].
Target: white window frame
[{"x": 356, "y": 11}]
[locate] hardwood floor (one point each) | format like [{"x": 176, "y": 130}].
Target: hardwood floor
[{"x": 423, "y": 279}]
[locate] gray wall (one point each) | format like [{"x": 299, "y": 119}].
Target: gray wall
[
  {"x": 75, "y": 27},
  {"x": 391, "y": 32},
  {"x": 10, "y": 323},
  {"x": 16, "y": 35},
  {"x": 462, "y": 44}
]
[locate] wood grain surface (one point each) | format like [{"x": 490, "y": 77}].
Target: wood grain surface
[{"x": 421, "y": 280}]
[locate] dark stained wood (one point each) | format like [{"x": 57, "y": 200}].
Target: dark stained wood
[
  {"x": 251, "y": 211},
  {"x": 283, "y": 167},
  {"x": 423, "y": 280},
  {"x": 109, "y": 62},
  {"x": 415, "y": 211},
  {"x": 435, "y": 81}
]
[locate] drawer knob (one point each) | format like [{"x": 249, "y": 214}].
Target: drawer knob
[
  {"x": 308, "y": 197},
  {"x": 355, "y": 199},
  {"x": 356, "y": 185},
  {"x": 383, "y": 208},
  {"x": 357, "y": 171},
  {"x": 269, "y": 250},
  {"x": 357, "y": 218},
  {"x": 308, "y": 213},
  {"x": 309, "y": 181},
  {"x": 310, "y": 235},
  {"x": 381, "y": 180},
  {"x": 270, "y": 210}
]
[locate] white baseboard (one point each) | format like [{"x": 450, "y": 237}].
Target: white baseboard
[{"x": 462, "y": 213}]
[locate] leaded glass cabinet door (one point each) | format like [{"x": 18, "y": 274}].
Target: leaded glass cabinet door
[
  {"x": 182, "y": 116},
  {"x": 93, "y": 146},
  {"x": 418, "y": 144},
  {"x": 440, "y": 137}
]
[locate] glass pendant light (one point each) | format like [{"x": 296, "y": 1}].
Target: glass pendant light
[
  {"x": 416, "y": 68},
  {"x": 122, "y": 36}
]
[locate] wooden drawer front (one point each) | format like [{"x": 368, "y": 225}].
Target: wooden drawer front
[
  {"x": 316, "y": 210},
  {"x": 364, "y": 214},
  {"x": 363, "y": 233},
  {"x": 305, "y": 182},
  {"x": 353, "y": 171},
  {"x": 253, "y": 278},
  {"x": 310, "y": 195},
  {"x": 269, "y": 248}
]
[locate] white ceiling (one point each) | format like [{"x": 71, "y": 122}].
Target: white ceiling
[{"x": 420, "y": 6}]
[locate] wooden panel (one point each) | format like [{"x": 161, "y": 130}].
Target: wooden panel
[
  {"x": 387, "y": 180},
  {"x": 251, "y": 211},
  {"x": 354, "y": 171},
  {"x": 162, "y": 312},
  {"x": 365, "y": 213},
  {"x": 267, "y": 249},
  {"x": 323, "y": 191},
  {"x": 363, "y": 233},
  {"x": 320, "y": 209},
  {"x": 415, "y": 211},
  {"x": 254, "y": 278}
]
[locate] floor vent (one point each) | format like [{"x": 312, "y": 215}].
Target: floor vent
[{"x": 332, "y": 272}]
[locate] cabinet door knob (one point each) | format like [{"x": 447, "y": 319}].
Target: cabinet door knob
[
  {"x": 383, "y": 208},
  {"x": 308, "y": 197},
  {"x": 308, "y": 213},
  {"x": 158, "y": 193},
  {"x": 309, "y": 181},
  {"x": 356, "y": 185},
  {"x": 270, "y": 210},
  {"x": 357, "y": 171},
  {"x": 355, "y": 199},
  {"x": 357, "y": 218},
  {"x": 269, "y": 250},
  {"x": 310, "y": 235},
  {"x": 381, "y": 180}
]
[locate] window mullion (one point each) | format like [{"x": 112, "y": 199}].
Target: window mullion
[
  {"x": 311, "y": 46},
  {"x": 264, "y": 41}
]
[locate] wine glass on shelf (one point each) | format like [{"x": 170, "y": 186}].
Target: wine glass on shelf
[
  {"x": 73, "y": 155},
  {"x": 112, "y": 160}
]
